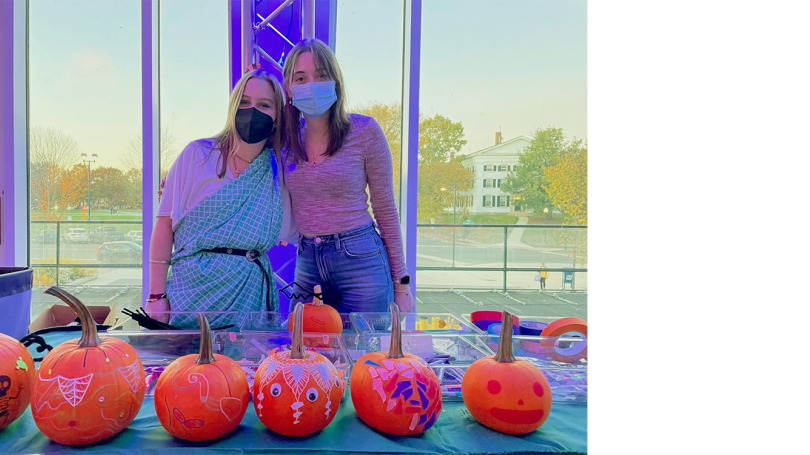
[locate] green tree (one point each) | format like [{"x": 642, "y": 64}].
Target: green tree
[
  {"x": 439, "y": 139},
  {"x": 389, "y": 116},
  {"x": 547, "y": 146},
  {"x": 567, "y": 186},
  {"x": 109, "y": 185},
  {"x": 436, "y": 188}
]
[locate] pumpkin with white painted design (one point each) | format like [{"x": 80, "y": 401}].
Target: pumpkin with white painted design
[
  {"x": 297, "y": 392},
  {"x": 17, "y": 373},
  {"x": 89, "y": 389},
  {"x": 201, "y": 397}
]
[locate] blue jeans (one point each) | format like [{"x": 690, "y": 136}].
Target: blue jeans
[{"x": 351, "y": 267}]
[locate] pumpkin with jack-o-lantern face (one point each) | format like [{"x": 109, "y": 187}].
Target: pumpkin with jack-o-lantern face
[{"x": 504, "y": 393}]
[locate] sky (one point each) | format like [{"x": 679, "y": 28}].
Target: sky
[{"x": 512, "y": 66}]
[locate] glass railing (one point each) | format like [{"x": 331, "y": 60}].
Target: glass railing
[{"x": 448, "y": 256}]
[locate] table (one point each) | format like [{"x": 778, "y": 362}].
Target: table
[{"x": 455, "y": 432}]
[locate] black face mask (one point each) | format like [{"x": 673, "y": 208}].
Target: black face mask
[{"x": 254, "y": 125}]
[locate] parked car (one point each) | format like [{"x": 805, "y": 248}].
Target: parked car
[
  {"x": 120, "y": 252},
  {"x": 135, "y": 236},
  {"x": 106, "y": 234},
  {"x": 76, "y": 235},
  {"x": 47, "y": 236}
]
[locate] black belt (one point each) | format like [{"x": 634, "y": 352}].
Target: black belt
[{"x": 252, "y": 256}]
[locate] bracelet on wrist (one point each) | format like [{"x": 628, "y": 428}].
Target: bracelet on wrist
[
  {"x": 154, "y": 261},
  {"x": 156, "y": 297}
]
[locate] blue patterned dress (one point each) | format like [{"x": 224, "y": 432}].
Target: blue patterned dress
[{"x": 245, "y": 214}]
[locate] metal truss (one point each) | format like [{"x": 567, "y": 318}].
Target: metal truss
[{"x": 254, "y": 26}]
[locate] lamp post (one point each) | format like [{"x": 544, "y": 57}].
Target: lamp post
[
  {"x": 454, "y": 220},
  {"x": 87, "y": 160}
]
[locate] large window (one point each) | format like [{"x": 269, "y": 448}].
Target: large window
[
  {"x": 85, "y": 111},
  {"x": 503, "y": 86},
  {"x": 86, "y": 147},
  {"x": 368, "y": 43},
  {"x": 194, "y": 68}
]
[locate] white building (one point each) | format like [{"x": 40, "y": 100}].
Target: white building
[{"x": 491, "y": 165}]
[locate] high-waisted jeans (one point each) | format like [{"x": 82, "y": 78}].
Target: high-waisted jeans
[{"x": 351, "y": 267}]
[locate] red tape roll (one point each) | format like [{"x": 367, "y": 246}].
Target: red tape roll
[{"x": 574, "y": 353}]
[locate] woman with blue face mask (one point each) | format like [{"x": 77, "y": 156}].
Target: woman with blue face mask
[{"x": 335, "y": 163}]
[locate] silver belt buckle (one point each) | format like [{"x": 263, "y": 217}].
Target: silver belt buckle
[{"x": 252, "y": 255}]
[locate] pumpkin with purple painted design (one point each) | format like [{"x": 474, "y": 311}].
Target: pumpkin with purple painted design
[{"x": 393, "y": 392}]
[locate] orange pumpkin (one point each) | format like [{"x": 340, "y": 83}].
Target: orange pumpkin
[
  {"x": 89, "y": 389},
  {"x": 504, "y": 393},
  {"x": 297, "y": 392},
  {"x": 393, "y": 392},
  {"x": 318, "y": 317},
  {"x": 201, "y": 397},
  {"x": 17, "y": 374}
]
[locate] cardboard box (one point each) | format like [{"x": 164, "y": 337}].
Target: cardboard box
[{"x": 61, "y": 315}]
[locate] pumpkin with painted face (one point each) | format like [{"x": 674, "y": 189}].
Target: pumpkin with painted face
[
  {"x": 393, "y": 392},
  {"x": 504, "y": 393},
  {"x": 201, "y": 397},
  {"x": 17, "y": 374},
  {"x": 89, "y": 389},
  {"x": 297, "y": 392}
]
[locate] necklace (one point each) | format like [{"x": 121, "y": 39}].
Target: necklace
[
  {"x": 242, "y": 159},
  {"x": 236, "y": 169}
]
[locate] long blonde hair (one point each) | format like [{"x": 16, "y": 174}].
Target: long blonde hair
[
  {"x": 225, "y": 140},
  {"x": 339, "y": 124}
]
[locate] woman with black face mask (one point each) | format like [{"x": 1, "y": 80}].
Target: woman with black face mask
[{"x": 224, "y": 204}]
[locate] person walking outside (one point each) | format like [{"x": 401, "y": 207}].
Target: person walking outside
[{"x": 542, "y": 274}]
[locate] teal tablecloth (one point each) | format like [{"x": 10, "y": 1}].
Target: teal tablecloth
[{"x": 455, "y": 431}]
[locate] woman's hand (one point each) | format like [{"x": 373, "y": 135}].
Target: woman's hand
[
  {"x": 159, "y": 306},
  {"x": 403, "y": 298}
]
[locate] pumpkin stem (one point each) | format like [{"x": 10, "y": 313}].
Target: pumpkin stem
[
  {"x": 504, "y": 353},
  {"x": 315, "y": 300},
  {"x": 395, "y": 349},
  {"x": 89, "y": 337},
  {"x": 297, "y": 350},
  {"x": 206, "y": 352}
]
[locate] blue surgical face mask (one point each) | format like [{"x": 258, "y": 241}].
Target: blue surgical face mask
[{"x": 314, "y": 98}]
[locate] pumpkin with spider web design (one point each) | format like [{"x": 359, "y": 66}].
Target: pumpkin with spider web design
[
  {"x": 89, "y": 389},
  {"x": 201, "y": 397}
]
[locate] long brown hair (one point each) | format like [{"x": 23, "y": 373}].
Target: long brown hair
[
  {"x": 225, "y": 140},
  {"x": 339, "y": 124}
]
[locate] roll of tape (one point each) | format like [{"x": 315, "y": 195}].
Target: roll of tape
[
  {"x": 533, "y": 328},
  {"x": 495, "y": 316},
  {"x": 494, "y": 328},
  {"x": 566, "y": 351}
]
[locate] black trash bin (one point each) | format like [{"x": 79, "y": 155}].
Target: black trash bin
[{"x": 15, "y": 300}]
